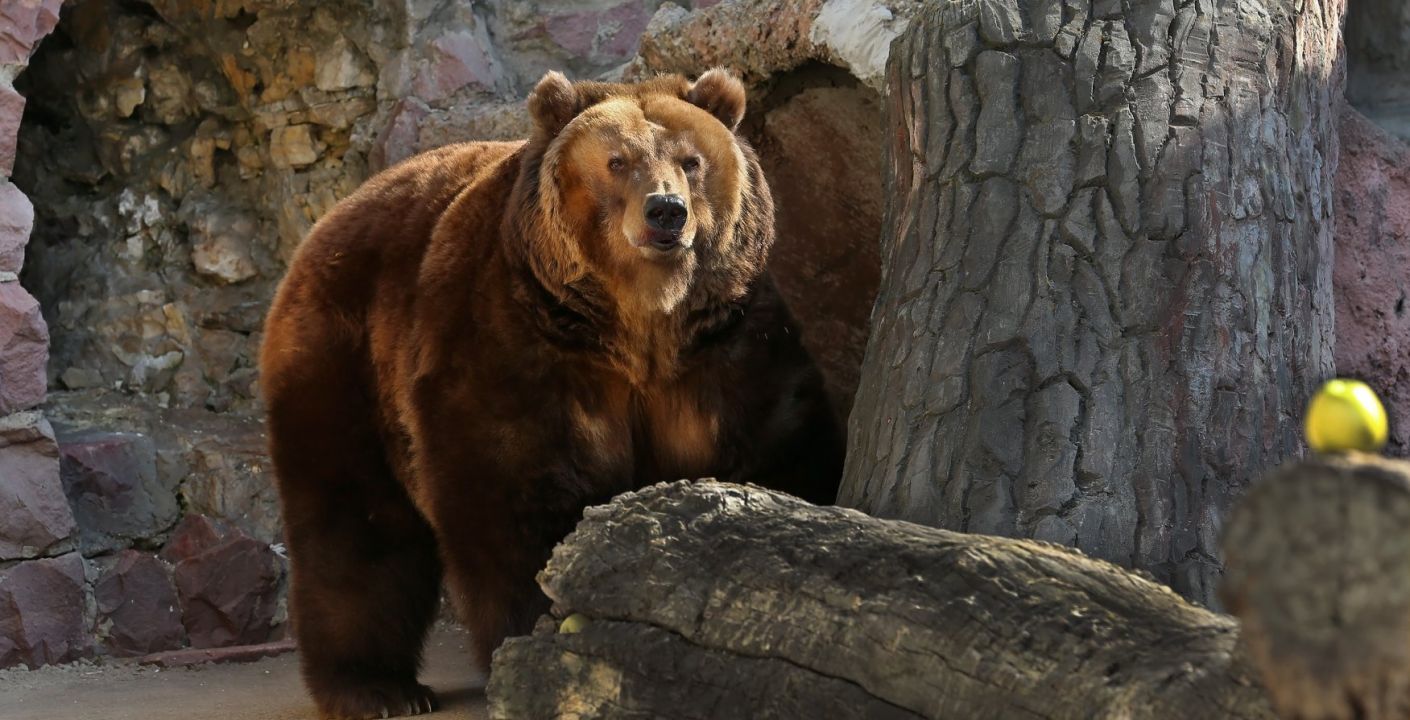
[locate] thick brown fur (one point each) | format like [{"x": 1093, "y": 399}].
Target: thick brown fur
[{"x": 475, "y": 346}]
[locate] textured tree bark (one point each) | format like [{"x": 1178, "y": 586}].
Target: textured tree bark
[
  {"x": 1319, "y": 573},
  {"x": 721, "y": 601},
  {"x": 1106, "y": 287}
]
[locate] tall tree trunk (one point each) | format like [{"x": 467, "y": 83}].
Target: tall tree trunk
[{"x": 1107, "y": 269}]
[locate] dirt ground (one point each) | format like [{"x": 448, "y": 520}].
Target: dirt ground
[{"x": 265, "y": 690}]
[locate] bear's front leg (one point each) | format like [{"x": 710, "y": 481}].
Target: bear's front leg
[
  {"x": 502, "y": 474},
  {"x": 495, "y": 540},
  {"x": 365, "y": 573}
]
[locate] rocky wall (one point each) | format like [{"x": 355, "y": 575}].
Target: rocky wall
[
  {"x": 82, "y": 513},
  {"x": 1372, "y": 273},
  {"x": 1371, "y": 278},
  {"x": 44, "y": 607}
]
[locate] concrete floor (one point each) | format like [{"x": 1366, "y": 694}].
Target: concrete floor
[{"x": 264, "y": 690}]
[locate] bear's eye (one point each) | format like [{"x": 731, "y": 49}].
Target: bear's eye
[
  {"x": 690, "y": 164},
  {"x": 616, "y": 164}
]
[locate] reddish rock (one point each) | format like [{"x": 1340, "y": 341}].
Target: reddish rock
[
  {"x": 194, "y": 535},
  {"x": 826, "y": 260},
  {"x": 573, "y": 32},
  {"x": 398, "y": 139},
  {"x": 16, "y": 221},
  {"x": 112, "y": 484},
  {"x": 34, "y": 515},
  {"x": 138, "y": 611},
  {"x": 229, "y": 593},
  {"x": 42, "y": 618},
  {"x": 473, "y": 121},
  {"x": 213, "y": 656},
  {"x": 456, "y": 59},
  {"x": 22, "y": 24},
  {"x": 230, "y": 478},
  {"x": 605, "y": 34},
  {"x": 1371, "y": 279},
  {"x": 756, "y": 40},
  {"x": 24, "y": 349},
  {"x": 11, "y": 112}
]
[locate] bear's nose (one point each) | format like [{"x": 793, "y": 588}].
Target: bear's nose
[{"x": 665, "y": 212}]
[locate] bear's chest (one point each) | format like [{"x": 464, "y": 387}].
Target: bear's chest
[{"x": 662, "y": 434}]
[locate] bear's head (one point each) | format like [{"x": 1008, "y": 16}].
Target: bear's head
[{"x": 644, "y": 191}]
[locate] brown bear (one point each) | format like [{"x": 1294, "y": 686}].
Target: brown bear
[{"x": 487, "y": 338}]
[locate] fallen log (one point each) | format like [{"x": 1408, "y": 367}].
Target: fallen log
[
  {"x": 1318, "y": 569},
  {"x": 708, "y": 600}
]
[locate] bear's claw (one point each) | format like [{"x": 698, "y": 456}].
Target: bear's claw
[{"x": 377, "y": 700}]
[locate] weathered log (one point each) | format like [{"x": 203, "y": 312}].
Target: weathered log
[
  {"x": 720, "y": 601},
  {"x": 1106, "y": 270},
  {"x": 1318, "y": 570}
]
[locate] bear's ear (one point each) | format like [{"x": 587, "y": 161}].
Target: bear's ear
[
  {"x": 720, "y": 94},
  {"x": 553, "y": 103}
]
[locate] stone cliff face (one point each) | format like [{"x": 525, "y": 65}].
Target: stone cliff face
[
  {"x": 1372, "y": 272},
  {"x": 44, "y": 608}
]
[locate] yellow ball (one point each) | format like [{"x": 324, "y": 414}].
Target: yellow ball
[
  {"x": 573, "y": 623},
  {"x": 1346, "y": 415}
]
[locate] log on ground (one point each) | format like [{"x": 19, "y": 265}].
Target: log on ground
[{"x": 710, "y": 600}]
